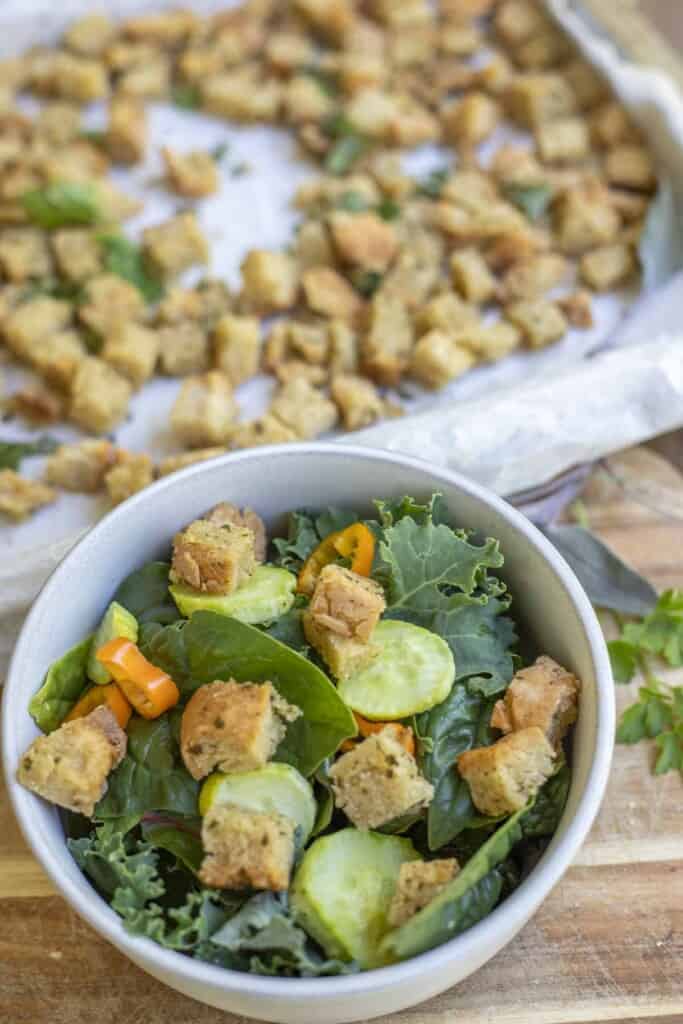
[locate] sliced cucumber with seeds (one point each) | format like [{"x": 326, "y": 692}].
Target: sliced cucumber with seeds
[
  {"x": 274, "y": 789},
  {"x": 413, "y": 671},
  {"x": 266, "y": 595},
  {"x": 117, "y": 621},
  {"x": 342, "y": 891}
]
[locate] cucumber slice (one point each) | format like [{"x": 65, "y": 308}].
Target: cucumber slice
[
  {"x": 342, "y": 891},
  {"x": 274, "y": 789},
  {"x": 117, "y": 621},
  {"x": 266, "y": 595},
  {"x": 413, "y": 671}
]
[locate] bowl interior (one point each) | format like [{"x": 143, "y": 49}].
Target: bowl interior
[{"x": 547, "y": 600}]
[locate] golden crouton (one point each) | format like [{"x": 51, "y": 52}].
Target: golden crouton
[
  {"x": 81, "y": 467},
  {"x": 446, "y": 312},
  {"x": 577, "y": 308},
  {"x": 312, "y": 245},
  {"x": 179, "y": 304},
  {"x": 24, "y": 253},
  {"x": 193, "y": 174},
  {"x": 342, "y": 655},
  {"x": 378, "y": 781},
  {"x": 329, "y": 294},
  {"x": 175, "y": 245},
  {"x": 585, "y": 218},
  {"x": 538, "y": 96},
  {"x": 545, "y": 695},
  {"x": 419, "y": 881},
  {"x": 237, "y": 347},
  {"x": 504, "y": 776},
  {"x": 489, "y": 342},
  {"x": 386, "y": 348},
  {"x": 27, "y": 326},
  {"x": 99, "y": 396},
  {"x": 183, "y": 349},
  {"x": 77, "y": 253},
  {"x": 516, "y": 21},
  {"x": 205, "y": 410},
  {"x": 471, "y": 276},
  {"x": 233, "y": 727},
  {"x": 630, "y": 166},
  {"x": 20, "y": 497},
  {"x": 288, "y": 51},
  {"x": 343, "y": 348},
  {"x": 148, "y": 81},
  {"x": 438, "y": 358},
  {"x": 264, "y": 430},
  {"x": 58, "y": 356},
  {"x": 472, "y": 119},
  {"x": 58, "y": 73},
  {"x": 163, "y": 28},
  {"x": 174, "y": 463},
  {"x": 293, "y": 368},
  {"x": 126, "y": 137},
  {"x": 541, "y": 322},
  {"x": 310, "y": 341},
  {"x": 270, "y": 280},
  {"x": 226, "y": 512},
  {"x": 587, "y": 83},
  {"x": 345, "y": 603},
  {"x": 304, "y": 101},
  {"x": 533, "y": 277},
  {"x": 610, "y": 125},
  {"x": 70, "y": 766},
  {"x": 110, "y": 300},
  {"x": 246, "y": 849},
  {"x": 37, "y": 402},
  {"x": 359, "y": 401},
  {"x": 131, "y": 474},
  {"x": 216, "y": 299},
  {"x": 241, "y": 94},
  {"x": 90, "y": 35},
  {"x": 607, "y": 267},
  {"x": 565, "y": 140},
  {"x": 214, "y": 559},
  {"x": 364, "y": 240},
  {"x": 132, "y": 350},
  {"x": 333, "y": 18},
  {"x": 303, "y": 409},
  {"x": 545, "y": 50}
]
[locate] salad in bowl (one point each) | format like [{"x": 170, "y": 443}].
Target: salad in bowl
[{"x": 311, "y": 754}]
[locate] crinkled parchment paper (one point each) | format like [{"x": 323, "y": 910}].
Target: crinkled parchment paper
[{"x": 511, "y": 426}]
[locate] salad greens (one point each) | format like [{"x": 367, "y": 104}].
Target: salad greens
[{"x": 143, "y": 849}]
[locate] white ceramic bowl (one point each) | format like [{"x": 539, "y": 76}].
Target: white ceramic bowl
[{"x": 547, "y": 599}]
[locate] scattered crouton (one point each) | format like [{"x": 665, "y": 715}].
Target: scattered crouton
[
  {"x": 126, "y": 137},
  {"x": 505, "y": 775},
  {"x": 226, "y": 512},
  {"x": 577, "y": 309},
  {"x": 132, "y": 350},
  {"x": 205, "y": 410},
  {"x": 608, "y": 267},
  {"x": 360, "y": 403},
  {"x": 183, "y": 349},
  {"x": 387, "y": 345},
  {"x": 132, "y": 473},
  {"x": 329, "y": 294},
  {"x": 438, "y": 358},
  {"x": 24, "y": 253},
  {"x": 364, "y": 240},
  {"x": 545, "y": 695},
  {"x": 109, "y": 300},
  {"x": 237, "y": 347},
  {"x": 270, "y": 280},
  {"x": 303, "y": 409},
  {"x": 81, "y": 467},
  {"x": 471, "y": 276},
  {"x": 19, "y": 497},
  {"x": 564, "y": 141},
  {"x": 266, "y": 429},
  {"x": 193, "y": 174},
  {"x": 630, "y": 166},
  {"x": 541, "y": 322},
  {"x": 78, "y": 254},
  {"x": 99, "y": 397},
  {"x": 175, "y": 245}
]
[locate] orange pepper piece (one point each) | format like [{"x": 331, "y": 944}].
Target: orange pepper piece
[
  {"x": 356, "y": 543},
  {"x": 148, "y": 688},
  {"x": 110, "y": 696},
  {"x": 403, "y": 733}
]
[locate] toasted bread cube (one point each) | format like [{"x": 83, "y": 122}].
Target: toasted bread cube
[
  {"x": 175, "y": 245},
  {"x": 536, "y": 97},
  {"x": 343, "y": 348},
  {"x": 81, "y": 467},
  {"x": 24, "y": 253},
  {"x": 183, "y": 349},
  {"x": 264, "y": 430},
  {"x": 288, "y": 51},
  {"x": 303, "y": 409},
  {"x": 345, "y": 603},
  {"x": 304, "y": 101},
  {"x": 227, "y": 513},
  {"x": 191, "y": 174},
  {"x": 110, "y": 300},
  {"x": 38, "y": 403},
  {"x": 471, "y": 276},
  {"x": 294, "y": 368},
  {"x": 587, "y": 84},
  {"x": 378, "y": 781},
  {"x": 516, "y": 21},
  {"x": 333, "y": 18},
  {"x": 577, "y": 308},
  {"x": 126, "y": 137},
  {"x": 472, "y": 119},
  {"x": 77, "y": 253},
  {"x": 364, "y": 240},
  {"x": 99, "y": 397},
  {"x": 213, "y": 559},
  {"x": 241, "y": 94},
  {"x": 20, "y": 497},
  {"x": 132, "y": 473},
  {"x": 386, "y": 348},
  {"x": 505, "y": 775},
  {"x": 585, "y": 218},
  {"x": 313, "y": 247},
  {"x": 69, "y": 767},
  {"x": 27, "y": 326},
  {"x": 330, "y": 294},
  {"x": 359, "y": 401},
  {"x": 246, "y": 849},
  {"x": 490, "y": 342},
  {"x": 148, "y": 81},
  {"x": 611, "y": 125},
  {"x": 541, "y": 322},
  {"x": 233, "y": 727},
  {"x": 162, "y": 28},
  {"x": 545, "y": 695},
  {"x": 116, "y": 205},
  {"x": 630, "y": 167},
  {"x": 58, "y": 356},
  {"x": 565, "y": 140},
  {"x": 132, "y": 350},
  {"x": 73, "y": 78},
  {"x": 419, "y": 881},
  {"x": 310, "y": 341},
  {"x": 342, "y": 655},
  {"x": 90, "y": 35},
  {"x": 179, "y": 304},
  {"x": 439, "y": 358},
  {"x": 237, "y": 347},
  {"x": 544, "y": 50},
  {"x": 174, "y": 463},
  {"x": 534, "y": 277},
  {"x": 446, "y": 312},
  {"x": 205, "y": 411},
  {"x": 270, "y": 280},
  {"x": 608, "y": 266}
]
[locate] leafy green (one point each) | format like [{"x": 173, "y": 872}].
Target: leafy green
[
  {"x": 151, "y": 776},
  {"x": 434, "y": 510},
  {"x": 219, "y": 151},
  {"x": 325, "y": 798},
  {"x": 388, "y": 209},
  {"x": 463, "y": 902},
  {"x": 177, "y": 837},
  {"x": 124, "y": 258},
  {"x": 109, "y": 860},
  {"x": 222, "y": 648},
  {"x": 165, "y": 646},
  {"x": 305, "y": 529},
  {"x": 61, "y": 203},
  {"x": 625, "y": 660},
  {"x": 432, "y": 186},
  {"x": 366, "y": 282},
  {"x": 532, "y": 200},
  {"x": 352, "y": 202},
  {"x": 328, "y": 81},
  {"x": 12, "y": 452},
  {"x": 54, "y": 288},
  {"x": 661, "y": 631},
  {"x": 459, "y": 723},
  {"x": 64, "y": 683},
  {"x": 187, "y": 97},
  {"x": 146, "y": 596},
  {"x": 344, "y": 153},
  {"x": 544, "y": 815},
  {"x": 288, "y": 629}
]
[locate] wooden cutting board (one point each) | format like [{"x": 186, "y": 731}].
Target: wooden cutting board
[{"x": 606, "y": 946}]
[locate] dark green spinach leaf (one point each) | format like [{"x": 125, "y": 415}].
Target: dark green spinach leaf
[
  {"x": 532, "y": 200},
  {"x": 12, "y": 452},
  {"x": 146, "y": 596},
  {"x": 124, "y": 258},
  {"x": 61, "y": 203},
  {"x": 64, "y": 683},
  {"x": 165, "y": 646}
]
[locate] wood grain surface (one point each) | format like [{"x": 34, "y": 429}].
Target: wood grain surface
[{"x": 607, "y": 945}]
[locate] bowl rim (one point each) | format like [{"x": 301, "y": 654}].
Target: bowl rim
[{"x": 508, "y": 917}]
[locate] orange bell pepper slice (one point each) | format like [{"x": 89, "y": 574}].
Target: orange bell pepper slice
[
  {"x": 403, "y": 733},
  {"x": 149, "y": 689},
  {"x": 109, "y": 695},
  {"x": 356, "y": 543}
]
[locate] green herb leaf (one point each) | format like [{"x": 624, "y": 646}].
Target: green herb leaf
[
  {"x": 388, "y": 209},
  {"x": 62, "y": 203},
  {"x": 344, "y": 153},
  {"x": 670, "y": 757},
  {"x": 631, "y": 727},
  {"x": 219, "y": 151},
  {"x": 145, "y": 594},
  {"x": 327, "y": 80},
  {"x": 64, "y": 683},
  {"x": 660, "y": 632},
  {"x": 325, "y": 798},
  {"x": 432, "y": 186},
  {"x": 124, "y": 258},
  {"x": 351, "y": 201},
  {"x": 289, "y": 630},
  {"x": 543, "y": 817},
  {"x": 366, "y": 282},
  {"x": 12, "y": 452},
  {"x": 187, "y": 97},
  {"x": 624, "y": 659},
  {"x": 111, "y": 862},
  {"x": 306, "y": 528},
  {"x": 165, "y": 646},
  {"x": 532, "y": 200}
]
